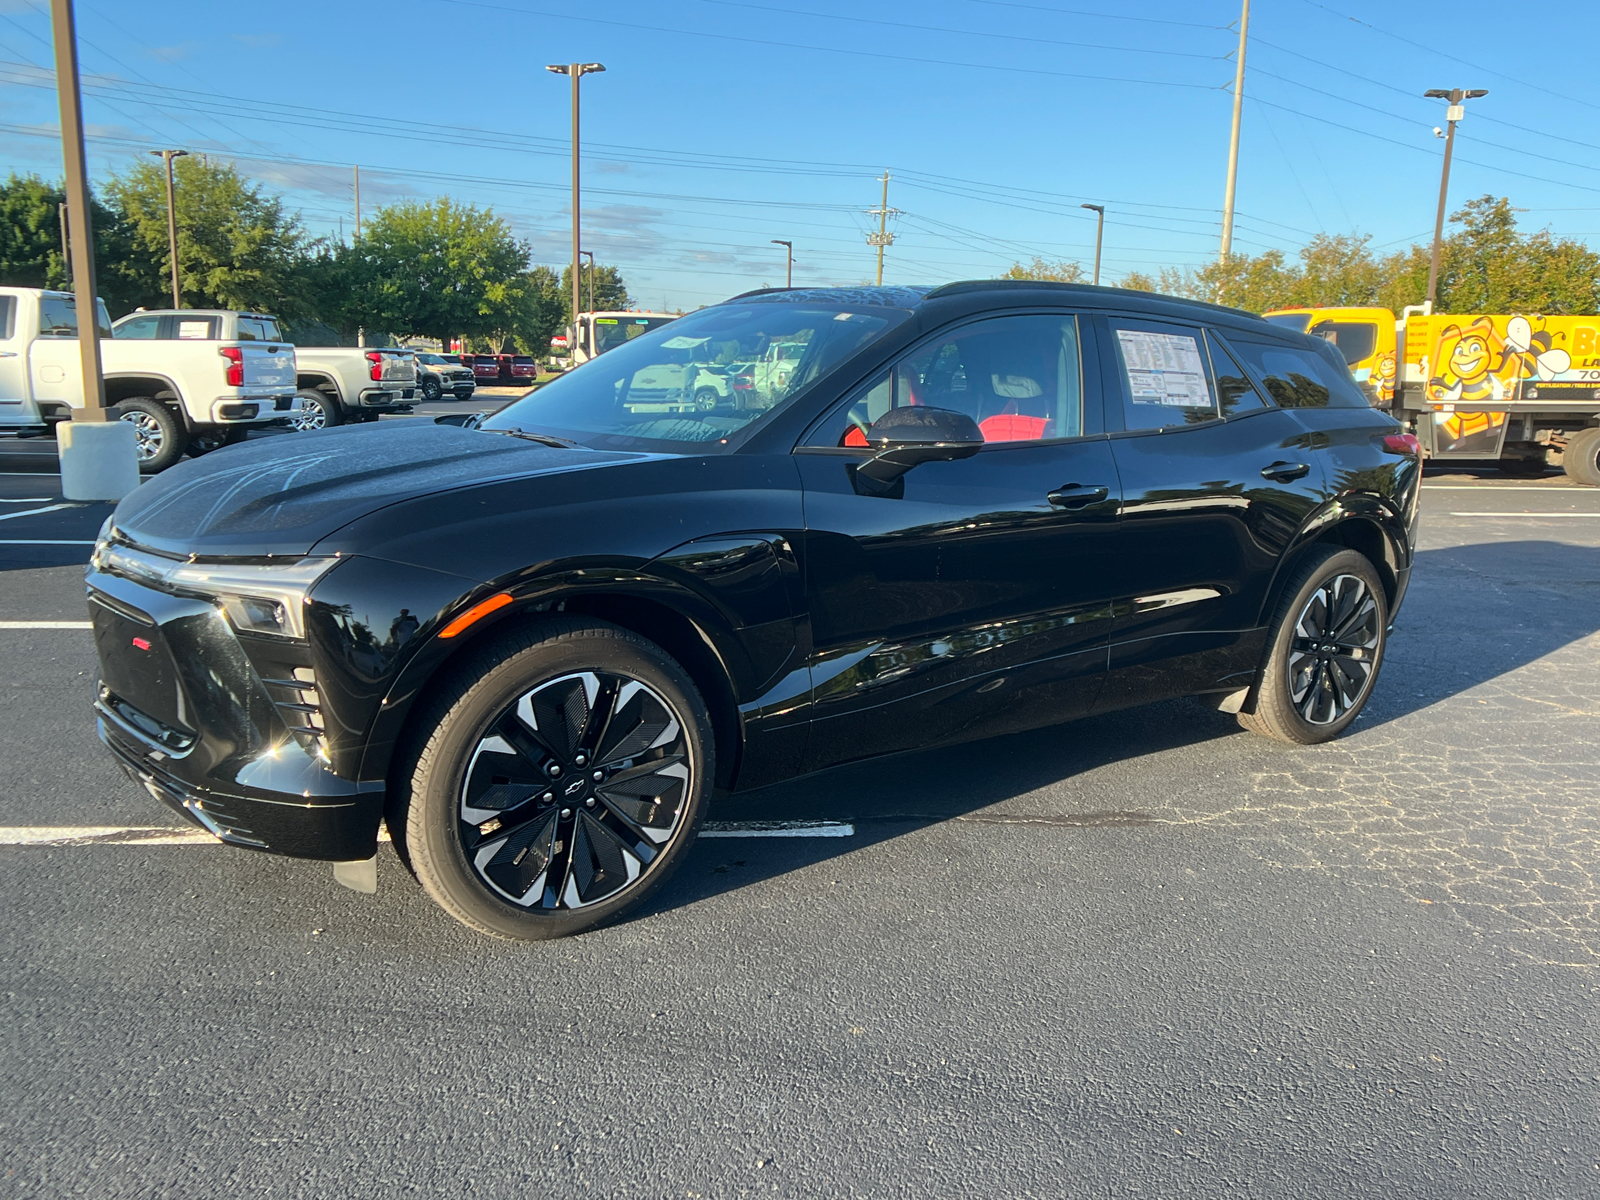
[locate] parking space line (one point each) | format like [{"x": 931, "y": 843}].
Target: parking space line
[
  {"x": 1537, "y": 516},
  {"x": 33, "y": 512},
  {"x": 46, "y": 625},
  {"x": 28, "y": 500},
  {"x": 777, "y": 829},
  {"x": 34, "y": 474},
  {"x": 1498, "y": 487},
  {"x": 103, "y": 835},
  {"x": 43, "y": 542}
]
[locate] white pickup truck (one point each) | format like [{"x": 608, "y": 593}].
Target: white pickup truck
[
  {"x": 181, "y": 396},
  {"x": 335, "y": 383}
]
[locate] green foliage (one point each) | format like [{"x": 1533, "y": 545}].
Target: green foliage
[
  {"x": 1485, "y": 265},
  {"x": 237, "y": 248},
  {"x": 30, "y": 240},
  {"x": 610, "y": 293},
  {"x": 1050, "y": 272}
]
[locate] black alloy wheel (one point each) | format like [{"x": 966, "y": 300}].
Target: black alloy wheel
[
  {"x": 1327, "y": 647},
  {"x": 561, "y": 786}
]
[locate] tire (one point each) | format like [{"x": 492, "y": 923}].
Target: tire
[
  {"x": 215, "y": 439},
  {"x": 706, "y": 399},
  {"x": 501, "y": 819},
  {"x": 318, "y": 410},
  {"x": 1319, "y": 672},
  {"x": 159, "y": 435},
  {"x": 1581, "y": 459},
  {"x": 429, "y": 387}
]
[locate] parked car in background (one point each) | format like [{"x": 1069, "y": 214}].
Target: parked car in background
[
  {"x": 439, "y": 375},
  {"x": 334, "y": 384},
  {"x": 485, "y": 368},
  {"x": 523, "y": 368},
  {"x": 532, "y": 646},
  {"x": 183, "y": 390}
]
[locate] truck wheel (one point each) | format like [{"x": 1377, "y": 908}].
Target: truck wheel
[
  {"x": 1581, "y": 459},
  {"x": 706, "y": 399},
  {"x": 1326, "y": 649},
  {"x": 318, "y": 410},
  {"x": 556, "y": 783},
  {"x": 215, "y": 439},
  {"x": 430, "y": 388},
  {"x": 158, "y": 434}
]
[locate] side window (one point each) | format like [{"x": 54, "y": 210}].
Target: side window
[
  {"x": 1164, "y": 376},
  {"x": 8, "y": 318},
  {"x": 58, "y": 317},
  {"x": 139, "y": 327},
  {"x": 1019, "y": 377},
  {"x": 199, "y": 329},
  {"x": 1298, "y": 376},
  {"x": 1234, "y": 389}
]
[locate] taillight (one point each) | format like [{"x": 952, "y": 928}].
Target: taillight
[
  {"x": 376, "y": 360},
  {"x": 741, "y": 381},
  {"x": 1402, "y": 443},
  {"x": 235, "y": 369}
]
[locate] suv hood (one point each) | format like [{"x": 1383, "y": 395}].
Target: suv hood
[{"x": 280, "y": 496}]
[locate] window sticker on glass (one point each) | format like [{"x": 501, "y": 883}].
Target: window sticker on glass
[
  {"x": 683, "y": 343},
  {"x": 195, "y": 330},
  {"x": 1164, "y": 368}
]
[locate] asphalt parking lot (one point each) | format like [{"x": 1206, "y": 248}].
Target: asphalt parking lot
[{"x": 1146, "y": 954}]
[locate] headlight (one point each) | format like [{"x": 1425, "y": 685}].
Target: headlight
[{"x": 265, "y": 598}]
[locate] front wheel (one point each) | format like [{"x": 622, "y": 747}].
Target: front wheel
[
  {"x": 1327, "y": 646},
  {"x": 706, "y": 399},
  {"x": 158, "y": 434},
  {"x": 429, "y": 387},
  {"x": 318, "y": 410},
  {"x": 558, "y": 783}
]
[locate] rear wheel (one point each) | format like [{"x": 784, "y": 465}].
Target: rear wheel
[
  {"x": 215, "y": 439},
  {"x": 558, "y": 783},
  {"x": 158, "y": 434},
  {"x": 318, "y": 410},
  {"x": 1581, "y": 459},
  {"x": 1327, "y": 647}
]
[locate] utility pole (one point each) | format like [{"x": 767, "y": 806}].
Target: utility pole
[
  {"x": 98, "y": 457},
  {"x": 576, "y": 71},
  {"x": 172, "y": 220},
  {"x": 788, "y": 270},
  {"x": 1233, "y": 140},
  {"x": 882, "y": 237},
  {"x": 357, "y": 171},
  {"x": 589, "y": 254},
  {"x": 1452, "y": 114},
  {"x": 66, "y": 243},
  {"x": 1099, "y": 231}
]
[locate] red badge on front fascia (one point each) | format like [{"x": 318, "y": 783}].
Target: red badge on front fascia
[{"x": 140, "y": 643}]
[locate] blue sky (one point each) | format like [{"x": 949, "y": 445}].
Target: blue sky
[{"x": 721, "y": 124}]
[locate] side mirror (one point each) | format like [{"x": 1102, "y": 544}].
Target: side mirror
[
  {"x": 461, "y": 420},
  {"x": 908, "y": 437}
]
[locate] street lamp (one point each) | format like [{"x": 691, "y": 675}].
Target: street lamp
[
  {"x": 576, "y": 71},
  {"x": 1099, "y": 230},
  {"x": 788, "y": 270},
  {"x": 172, "y": 220},
  {"x": 589, "y": 254},
  {"x": 1452, "y": 114}
]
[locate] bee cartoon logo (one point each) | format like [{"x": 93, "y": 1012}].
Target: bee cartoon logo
[
  {"x": 1466, "y": 358},
  {"x": 1383, "y": 373},
  {"x": 1530, "y": 354}
]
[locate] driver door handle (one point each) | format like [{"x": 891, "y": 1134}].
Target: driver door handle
[
  {"x": 1283, "y": 472},
  {"x": 1077, "y": 495}
]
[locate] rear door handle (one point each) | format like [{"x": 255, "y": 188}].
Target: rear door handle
[
  {"x": 1283, "y": 472},
  {"x": 1077, "y": 495}
]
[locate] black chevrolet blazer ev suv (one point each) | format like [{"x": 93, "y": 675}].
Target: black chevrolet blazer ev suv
[{"x": 798, "y": 528}]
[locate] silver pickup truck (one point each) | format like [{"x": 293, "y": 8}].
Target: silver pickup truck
[{"x": 335, "y": 383}]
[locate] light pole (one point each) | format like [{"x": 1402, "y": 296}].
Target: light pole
[
  {"x": 788, "y": 270},
  {"x": 172, "y": 219},
  {"x": 589, "y": 254},
  {"x": 1452, "y": 114},
  {"x": 1233, "y": 138},
  {"x": 98, "y": 458},
  {"x": 576, "y": 71},
  {"x": 1099, "y": 231}
]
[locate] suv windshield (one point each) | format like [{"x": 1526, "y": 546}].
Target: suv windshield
[{"x": 691, "y": 385}]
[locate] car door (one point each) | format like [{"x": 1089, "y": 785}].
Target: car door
[
  {"x": 976, "y": 600},
  {"x": 1216, "y": 484},
  {"x": 16, "y": 402}
]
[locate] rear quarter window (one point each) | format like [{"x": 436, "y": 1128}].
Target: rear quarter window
[
  {"x": 1299, "y": 376},
  {"x": 8, "y": 318}
]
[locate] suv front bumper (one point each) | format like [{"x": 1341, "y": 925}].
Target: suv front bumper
[{"x": 224, "y": 734}]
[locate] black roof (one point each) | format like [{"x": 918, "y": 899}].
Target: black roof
[{"x": 913, "y": 297}]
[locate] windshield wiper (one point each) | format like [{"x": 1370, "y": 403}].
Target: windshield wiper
[{"x": 544, "y": 439}]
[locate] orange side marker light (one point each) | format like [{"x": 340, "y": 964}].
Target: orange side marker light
[{"x": 476, "y": 613}]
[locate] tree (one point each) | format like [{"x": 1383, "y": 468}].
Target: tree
[
  {"x": 237, "y": 248},
  {"x": 610, "y": 293},
  {"x": 30, "y": 241},
  {"x": 435, "y": 269},
  {"x": 1050, "y": 272}
]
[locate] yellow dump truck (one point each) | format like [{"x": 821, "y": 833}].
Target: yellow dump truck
[{"x": 1519, "y": 388}]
